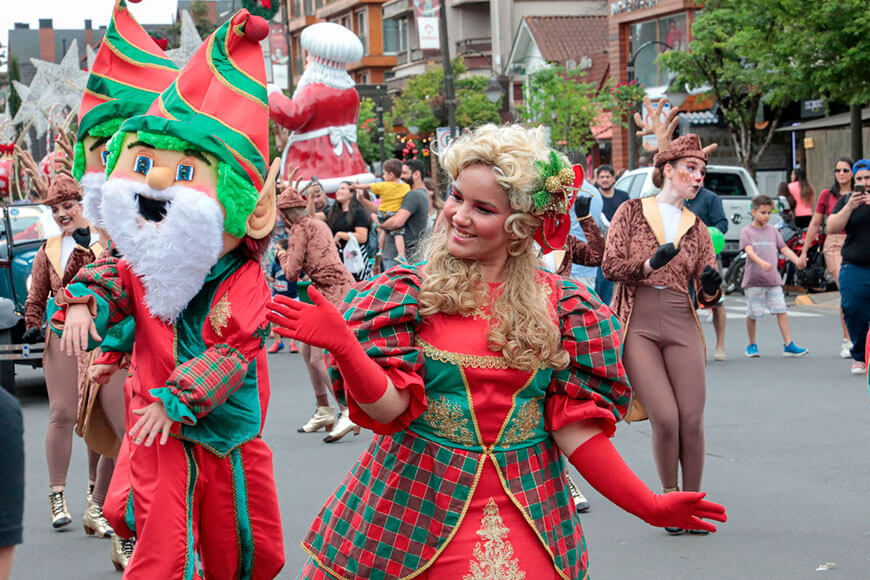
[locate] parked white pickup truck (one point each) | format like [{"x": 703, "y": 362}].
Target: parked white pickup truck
[{"x": 731, "y": 183}]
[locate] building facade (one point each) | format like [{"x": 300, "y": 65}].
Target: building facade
[{"x": 49, "y": 44}]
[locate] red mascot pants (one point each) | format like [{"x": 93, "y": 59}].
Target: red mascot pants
[{"x": 190, "y": 502}]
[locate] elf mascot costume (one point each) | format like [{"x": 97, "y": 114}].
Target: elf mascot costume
[
  {"x": 190, "y": 206},
  {"x": 129, "y": 72}
]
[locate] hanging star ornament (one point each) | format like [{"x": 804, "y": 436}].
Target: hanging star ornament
[
  {"x": 55, "y": 89},
  {"x": 188, "y": 43}
]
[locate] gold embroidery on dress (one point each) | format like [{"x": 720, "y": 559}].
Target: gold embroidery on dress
[
  {"x": 524, "y": 424},
  {"x": 493, "y": 557},
  {"x": 462, "y": 360},
  {"x": 219, "y": 315},
  {"x": 448, "y": 420}
]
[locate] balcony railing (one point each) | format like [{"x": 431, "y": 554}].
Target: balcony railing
[
  {"x": 396, "y": 8},
  {"x": 416, "y": 55},
  {"x": 472, "y": 45}
]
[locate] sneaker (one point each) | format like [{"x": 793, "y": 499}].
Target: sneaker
[
  {"x": 846, "y": 349},
  {"x": 277, "y": 346},
  {"x": 720, "y": 354},
  {"x": 793, "y": 350},
  {"x": 752, "y": 351},
  {"x": 858, "y": 368},
  {"x": 581, "y": 504}
]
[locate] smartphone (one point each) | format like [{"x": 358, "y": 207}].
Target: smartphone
[{"x": 860, "y": 188}]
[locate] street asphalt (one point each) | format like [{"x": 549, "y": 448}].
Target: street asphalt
[{"x": 787, "y": 454}]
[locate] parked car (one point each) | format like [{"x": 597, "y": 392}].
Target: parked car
[
  {"x": 732, "y": 183},
  {"x": 23, "y": 229}
]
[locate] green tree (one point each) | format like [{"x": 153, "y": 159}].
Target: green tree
[
  {"x": 14, "y": 75},
  {"x": 367, "y": 133},
  {"x": 832, "y": 57},
  {"x": 422, "y": 103},
  {"x": 199, "y": 13},
  {"x": 740, "y": 49},
  {"x": 560, "y": 99}
]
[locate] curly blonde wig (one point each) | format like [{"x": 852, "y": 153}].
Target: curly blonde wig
[{"x": 521, "y": 322}]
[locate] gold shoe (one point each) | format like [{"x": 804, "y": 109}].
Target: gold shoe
[
  {"x": 89, "y": 496},
  {"x": 122, "y": 551},
  {"x": 96, "y": 523},
  {"x": 59, "y": 512},
  {"x": 322, "y": 417},
  {"x": 342, "y": 427}
]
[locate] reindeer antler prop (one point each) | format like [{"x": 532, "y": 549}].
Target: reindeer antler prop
[{"x": 663, "y": 130}]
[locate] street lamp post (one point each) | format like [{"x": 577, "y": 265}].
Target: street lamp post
[
  {"x": 632, "y": 128},
  {"x": 449, "y": 85}
]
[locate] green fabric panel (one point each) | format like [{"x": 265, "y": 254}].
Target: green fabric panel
[
  {"x": 119, "y": 338},
  {"x": 233, "y": 76},
  {"x": 237, "y": 419},
  {"x": 130, "y": 514},
  {"x": 133, "y": 52},
  {"x": 99, "y": 118},
  {"x": 176, "y": 410},
  {"x": 244, "y": 532},
  {"x": 192, "y": 475},
  {"x": 114, "y": 149},
  {"x": 101, "y": 321}
]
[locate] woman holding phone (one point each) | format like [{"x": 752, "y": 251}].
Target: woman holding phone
[{"x": 852, "y": 216}]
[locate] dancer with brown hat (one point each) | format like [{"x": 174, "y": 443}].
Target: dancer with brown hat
[{"x": 656, "y": 249}]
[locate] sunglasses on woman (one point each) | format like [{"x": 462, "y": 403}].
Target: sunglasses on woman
[{"x": 842, "y": 171}]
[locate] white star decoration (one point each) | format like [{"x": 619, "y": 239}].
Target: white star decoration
[
  {"x": 55, "y": 88},
  {"x": 188, "y": 43}
]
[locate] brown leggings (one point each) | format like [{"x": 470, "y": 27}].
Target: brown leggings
[
  {"x": 61, "y": 377},
  {"x": 664, "y": 359}
]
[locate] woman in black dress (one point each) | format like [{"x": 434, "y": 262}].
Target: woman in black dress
[{"x": 347, "y": 218}]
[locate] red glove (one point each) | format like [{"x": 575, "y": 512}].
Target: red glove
[
  {"x": 321, "y": 324},
  {"x": 601, "y": 465}
]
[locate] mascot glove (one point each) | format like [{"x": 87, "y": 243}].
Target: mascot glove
[
  {"x": 664, "y": 254},
  {"x": 710, "y": 281},
  {"x": 33, "y": 335},
  {"x": 601, "y": 465},
  {"x": 322, "y": 325}
]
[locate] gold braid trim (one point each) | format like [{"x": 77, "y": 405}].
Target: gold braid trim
[{"x": 461, "y": 360}]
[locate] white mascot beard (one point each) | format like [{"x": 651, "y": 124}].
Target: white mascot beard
[
  {"x": 173, "y": 256},
  {"x": 92, "y": 182}
]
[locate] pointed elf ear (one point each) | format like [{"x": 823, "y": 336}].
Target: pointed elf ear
[{"x": 262, "y": 220}]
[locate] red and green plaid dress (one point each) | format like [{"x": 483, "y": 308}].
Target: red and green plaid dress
[{"x": 468, "y": 481}]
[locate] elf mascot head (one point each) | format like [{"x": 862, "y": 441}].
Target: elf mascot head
[
  {"x": 130, "y": 70},
  {"x": 187, "y": 180}
]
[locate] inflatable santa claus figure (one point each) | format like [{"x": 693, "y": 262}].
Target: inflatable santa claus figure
[{"x": 322, "y": 114}]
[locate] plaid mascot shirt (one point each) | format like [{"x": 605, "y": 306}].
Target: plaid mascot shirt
[
  {"x": 210, "y": 360},
  {"x": 400, "y": 506}
]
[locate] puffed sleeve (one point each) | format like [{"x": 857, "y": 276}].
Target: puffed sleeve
[
  {"x": 594, "y": 385},
  {"x": 383, "y": 314}
]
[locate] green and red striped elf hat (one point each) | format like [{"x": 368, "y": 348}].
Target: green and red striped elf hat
[
  {"x": 130, "y": 70},
  {"x": 218, "y": 103}
]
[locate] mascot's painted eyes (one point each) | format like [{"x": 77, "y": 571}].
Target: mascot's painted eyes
[
  {"x": 104, "y": 157},
  {"x": 184, "y": 172},
  {"x": 143, "y": 164}
]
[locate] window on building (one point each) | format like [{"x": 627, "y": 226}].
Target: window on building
[
  {"x": 362, "y": 29},
  {"x": 296, "y": 9},
  {"x": 394, "y": 35},
  {"x": 345, "y": 21},
  {"x": 649, "y": 39}
]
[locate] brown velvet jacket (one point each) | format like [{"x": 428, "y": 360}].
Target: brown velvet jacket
[
  {"x": 578, "y": 252},
  {"x": 636, "y": 231},
  {"x": 311, "y": 249},
  {"x": 47, "y": 278}
]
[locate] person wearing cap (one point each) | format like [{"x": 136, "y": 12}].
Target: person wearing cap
[
  {"x": 189, "y": 204},
  {"x": 322, "y": 114},
  {"x": 851, "y": 215},
  {"x": 129, "y": 71},
  {"x": 311, "y": 249},
  {"x": 656, "y": 248},
  {"x": 56, "y": 263},
  {"x": 478, "y": 371}
]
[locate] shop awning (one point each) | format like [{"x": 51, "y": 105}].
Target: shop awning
[{"x": 841, "y": 120}]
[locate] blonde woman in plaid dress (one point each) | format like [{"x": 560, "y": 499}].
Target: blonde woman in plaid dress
[{"x": 479, "y": 373}]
